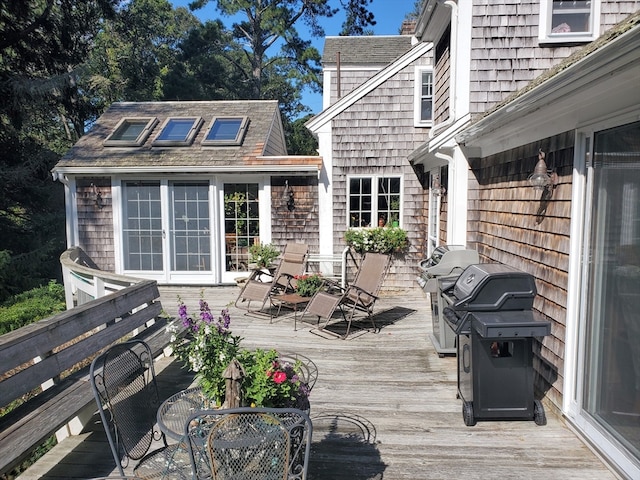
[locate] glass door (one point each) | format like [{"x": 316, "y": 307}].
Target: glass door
[
  {"x": 241, "y": 224},
  {"x": 142, "y": 227},
  {"x": 190, "y": 231},
  {"x": 611, "y": 384}
]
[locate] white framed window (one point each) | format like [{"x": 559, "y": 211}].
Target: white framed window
[
  {"x": 423, "y": 97},
  {"x": 131, "y": 132},
  {"x": 374, "y": 201},
  {"x": 568, "y": 21}
]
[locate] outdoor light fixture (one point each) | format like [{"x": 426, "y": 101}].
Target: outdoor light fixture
[
  {"x": 543, "y": 178},
  {"x": 436, "y": 188},
  {"x": 288, "y": 197},
  {"x": 97, "y": 197}
]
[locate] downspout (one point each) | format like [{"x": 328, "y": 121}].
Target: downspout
[
  {"x": 450, "y": 176},
  {"x": 69, "y": 203},
  {"x": 452, "y": 69}
]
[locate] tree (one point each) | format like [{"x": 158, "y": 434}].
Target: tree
[
  {"x": 41, "y": 114},
  {"x": 300, "y": 141},
  {"x": 136, "y": 50},
  {"x": 271, "y": 23}
]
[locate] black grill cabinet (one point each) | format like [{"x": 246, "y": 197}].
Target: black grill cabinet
[
  {"x": 439, "y": 272},
  {"x": 490, "y": 310}
]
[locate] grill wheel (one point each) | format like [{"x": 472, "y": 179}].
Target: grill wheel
[{"x": 467, "y": 414}]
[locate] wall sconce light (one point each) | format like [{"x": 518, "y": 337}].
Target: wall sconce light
[
  {"x": 436, "y": 188},
  {"x": 287, "y": 197},
  {"x": 543, "y": 178},
  {"x": 97, "y": 197}
]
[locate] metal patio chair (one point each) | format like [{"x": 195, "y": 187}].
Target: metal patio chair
[
  {"x": 126, "y": 393},
  {"x": 360, "y": 295},
  {"x": 249, "y": 443},
  {"x": 256, "y": 289}
]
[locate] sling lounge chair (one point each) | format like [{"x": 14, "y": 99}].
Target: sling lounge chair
[
  {"x": 360, "y": 295},
  {"x": 256, "y": 291}
]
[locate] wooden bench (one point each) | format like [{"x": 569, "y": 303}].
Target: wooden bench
[{"x": 44, "y": 352}]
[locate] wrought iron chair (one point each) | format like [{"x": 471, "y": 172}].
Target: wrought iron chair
[
  {"x": 126, "y": 393},
  {"x": 292, "y": 263},
  {"x": 250, "y": 443},
  {"x": 360, "y": 295}
]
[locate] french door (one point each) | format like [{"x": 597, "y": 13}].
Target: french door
[{"x": 189, "y": 231}]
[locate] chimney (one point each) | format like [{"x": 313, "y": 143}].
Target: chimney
[{"x": 408, "y": 27}]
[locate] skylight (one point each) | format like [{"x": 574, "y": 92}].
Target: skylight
[
  {"x": 131, "y": 132},
  {"x": 226, "y": 131},
  {"x": 178, "y": 131}
]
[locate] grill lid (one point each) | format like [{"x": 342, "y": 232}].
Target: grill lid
[{"x": 492, "y": 287}]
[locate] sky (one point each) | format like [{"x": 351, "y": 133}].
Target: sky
[{"x": 388, "y": 14}]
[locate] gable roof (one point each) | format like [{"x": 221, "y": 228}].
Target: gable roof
[
  {"x": 371, "y": 84},
  {"x": 263, "y": 141},
  {"x": 365, "y": 50}
]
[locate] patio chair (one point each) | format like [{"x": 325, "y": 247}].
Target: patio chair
[
  {"x": 126, "y": 393},
  {"x": 256, "y": 289},
  {"x": 360, "y": 295},
  {"x": 249, "y": 443}
]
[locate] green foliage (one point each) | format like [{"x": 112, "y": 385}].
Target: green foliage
[
  {"x": 31, "y": 306},
  {"x": 378, "y": 239},
  {"x": 268, "y": 382},
  {"x": 308, "y": 285},
  {"x": 300, "y": 141},
  {"x": 263, "y": 254},
  {"x": 209, "y": 348}
]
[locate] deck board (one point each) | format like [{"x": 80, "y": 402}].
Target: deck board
[{"x": 384, "y": 406}]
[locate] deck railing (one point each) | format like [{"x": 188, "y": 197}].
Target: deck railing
[{"x": 84, "y": 281}]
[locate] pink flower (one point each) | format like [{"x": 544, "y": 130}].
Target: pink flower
[{"x": 279, "y": 377}]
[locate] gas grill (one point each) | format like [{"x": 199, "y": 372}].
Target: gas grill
[
  {"x": 437, "y": 273},
  {"x": 490, "y": 309}
]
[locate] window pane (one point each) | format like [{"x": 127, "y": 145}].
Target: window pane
[
  {"x": 426, "y": 97},
  {"x": 224, "y": 129},
  {"x": 571, "y": 16},
  {"x": 241, "y": 223},
  {"x": 142, "y": 236},
  {"x": 176, "y": 130},
  {"x": 130, "y": 130},
  {"x": 360, "y": 200},
  {"x": 388, "y": 201},
  {"x": 612, "y": 384}
]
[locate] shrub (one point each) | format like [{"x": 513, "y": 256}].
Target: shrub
[{"x": 31, "y": 306}]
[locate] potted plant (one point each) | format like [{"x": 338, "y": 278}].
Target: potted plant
[
  {"x": 308, "y": 285},
  {"x": 378, "y": 239},
  {"x": 209, "y": 348},
  {"x": 263, "y": 254}
]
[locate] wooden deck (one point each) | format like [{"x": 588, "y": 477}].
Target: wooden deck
[{"x": 384, "y": 407}]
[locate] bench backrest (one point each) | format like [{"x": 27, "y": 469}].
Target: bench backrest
[{"x": 69, "y": 338}]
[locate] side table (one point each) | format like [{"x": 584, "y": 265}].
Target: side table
[{"x": 290, "y": 300}]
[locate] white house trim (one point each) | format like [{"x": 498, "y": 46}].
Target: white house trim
[{"x": 367, "y": 87}]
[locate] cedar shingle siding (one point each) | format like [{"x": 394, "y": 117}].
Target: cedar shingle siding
[
  {"x": 507, "y": 225},
  {"x": 375, "y": 136},
  {"x": 505, "y": 54}
]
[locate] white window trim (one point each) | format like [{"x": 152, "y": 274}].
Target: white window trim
[
  {"x": 544, "y": 28},
  {"x": 417, "y": 96},
  {"x": 374, "y": 200}
]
